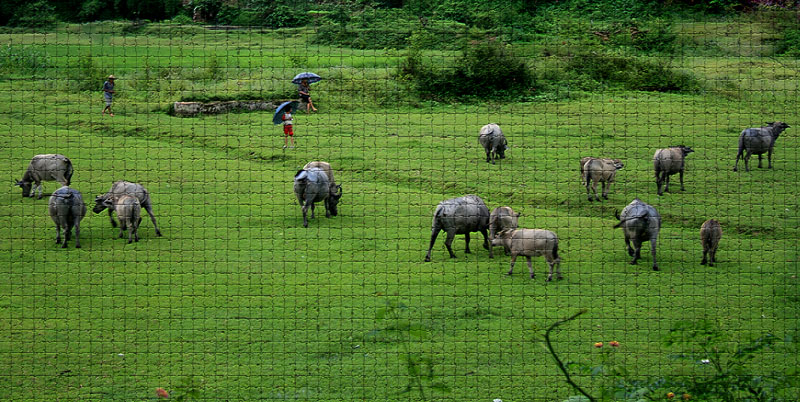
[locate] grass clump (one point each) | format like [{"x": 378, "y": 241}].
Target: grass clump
[{"x": 23, "y": 60}]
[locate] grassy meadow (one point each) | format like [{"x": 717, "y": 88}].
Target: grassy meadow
[{"x": 238, "y": 301}]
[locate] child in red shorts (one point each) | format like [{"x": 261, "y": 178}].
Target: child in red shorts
[{"x": 288, "y": 132}]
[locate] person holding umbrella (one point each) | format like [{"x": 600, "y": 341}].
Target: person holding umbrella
[
  {"x": 304, "y": 81},
  {"x": 283, "y": 115}
]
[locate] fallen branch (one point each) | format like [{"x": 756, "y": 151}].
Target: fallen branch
[{"x": 555, "y": 356}]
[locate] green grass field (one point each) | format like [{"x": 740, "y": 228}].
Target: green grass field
[{"x": 244, "y": 302}]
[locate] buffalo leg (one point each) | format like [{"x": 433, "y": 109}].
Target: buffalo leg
[
  {"x": 434, "y": 234},
  {"x": 606, "y": 186},
  {"x": 653, "y": 252},
  {"x": 58, "y": 233},
  {"x": 747, "y": 161},
  {"x": 588, "y": 191},
  {"x": 760, "y": 157},
  {"x": 705, "y": 252},
  {"x": 466, "y": 238},
  {"x": 769, "y": 158},
  {"x": 67, "y": 230},
  {"x": 305, "y": 215},
  {"x": 713, "y": 256},
  {"x": 123, "y": 226},
  {"x": 513, "y": 261},
  {"x": 114, "y": 223},
  {"x": 666, "y": 182},
  {"x": 149, "y": 210},
  {"x": 637, "y": 248},
  {"x": 530, "y": 266},
  {"x": 313, "y": 207},
  {"x": 77, "y": 233},
  {"x": 486, "y": 244},
  {"x": 659, "y": 181},
  {"x": 736, "y": 165},
  {"x": 449, "y": 243},
  {"x": 681, "y": 177},
  {"x": 628, "y": 243}
]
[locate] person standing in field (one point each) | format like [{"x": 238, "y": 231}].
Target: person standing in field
[
  {"x": 108, "y": 92},
  {"x": 288, "y": 127},
  {"x": 305, "y": 95}
]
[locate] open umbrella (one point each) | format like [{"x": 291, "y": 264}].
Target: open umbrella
[
  {"x": 311, "y": 77},
  {"x": 276, "y": 118}
]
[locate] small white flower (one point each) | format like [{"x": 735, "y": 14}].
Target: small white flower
[
  {"x": 705, "y": 361},
  {"x": 121, "y": 354},
  {"x": 497, "y": 400}
]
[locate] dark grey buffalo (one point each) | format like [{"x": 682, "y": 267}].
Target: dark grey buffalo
[
  {"x": 312, "y": 185},
  {"x": 118, "y": 189},
  {"x": 66, "y": 208},
  {"x": 667, "y": 162},
  {"x": 710, "y": 235},
  {"x": 757, "y": 141},
  {"x": 493, "y": 141},
  {"x": 502, "y": 218},
  {"x": 462, "y": 215},
  {"x": 45, "y": 167},
  {"x": 640, "y": 222}
]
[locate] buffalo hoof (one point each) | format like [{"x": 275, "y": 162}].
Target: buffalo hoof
[
  {"x": 560, "y": 277},
  {"x": 710, "y": 264},
  {"x": 549, "y": 279},
  {"x": 77, "y": 246},
  {"x": 130, "y": 241},
  {"x": 158, "y": 233},
  {"x": 509, "y": 273},
  {"x": 427, "y": 259},
  {"x": 703, "y": 262},
  {"x": 735, "y": 169},
  {"x": 605, "y": 197},
  {"x": 655, "y": 267},
  {"x": 465, "y": 252},
  {"x": 633, "y": 262},
  {"x": 533, "y": 276},
  {"x": 630, "y": 252},
  {"x": 64, "y": 245},
  {"x": 591, "y": 199}
]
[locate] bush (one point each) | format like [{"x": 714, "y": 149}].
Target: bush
[
  {"x": 23, "y": 60},
  {"x": 632, "y": 73},
  {"x": 789, "y": 44},
  {"x": 484, "y": 70},
  {"x": 39, "y": 14}
]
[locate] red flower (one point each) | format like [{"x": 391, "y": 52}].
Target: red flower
[
  {"x": 598, "y": 345},
  {"x": 670, "y": 395},
  {"x": 162, "y": 393},
  {"x": 686, "y": 397},
  {"x": 614, "y": 344}
]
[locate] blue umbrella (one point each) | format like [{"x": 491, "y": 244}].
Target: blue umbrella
[
  {"x": 276, "y": 118},
  {"x": 311, "y": 77}
]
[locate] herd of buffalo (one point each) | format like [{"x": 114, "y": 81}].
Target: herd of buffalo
[{"x": 315, "y": 182}]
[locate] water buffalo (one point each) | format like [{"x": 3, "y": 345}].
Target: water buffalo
[
  {"x": 461, "y": 215},
  {"x": 757, "y": 141},
  {"x": 120, "y": 188},
  {"x": 667, "y": 162},
  {"x": 600, "y": 170},
  {"x": 531, "y": 243},
  {"x": 45, "y": 167},
  {"x": 500, "y": 219},
  {"x": 312, "y": 185},
  {"x": 66, "y": 208},
  {"x": 493, "y": 141},
  {"x": 710, "y": 234},
  {"x": 640, "y": 222}
]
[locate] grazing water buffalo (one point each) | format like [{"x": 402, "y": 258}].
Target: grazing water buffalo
[
  {"x": 118, "y": 189},
  {"x": 710, "y": 234},
  {"x": 66, "y": 208},
  {"x": 500, "y": 219},
  {"x": 640, "y": 222},
  {"x": 757, "y": 141},
  {"x": 600, "y": 170},
  {"x": 312, "y": 185},
  {"x": 667, "y": 162},
  {"x": 531, "y": 243},
  {"x": 129, "y": 212},
  {"x": 46, "y": 167},
  {"x": 461, "y": 215},
  {"x": 493, "y": 141}
]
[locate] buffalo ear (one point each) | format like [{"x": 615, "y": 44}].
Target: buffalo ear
[
  {"x": 108, "y": 202},
  {"x": 517, "y": 214}
]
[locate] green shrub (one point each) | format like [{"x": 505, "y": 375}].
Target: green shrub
[
  {"x": 789, "y": 44},
  {"x": 38, "y": 14},
  {"x": 632, "y": 73},
  {"x": 23, "y": 60},
  {"x": 484, "y": 70}
]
